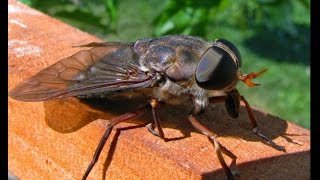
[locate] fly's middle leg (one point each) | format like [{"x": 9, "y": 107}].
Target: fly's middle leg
[{"x": 156, "y": 118}]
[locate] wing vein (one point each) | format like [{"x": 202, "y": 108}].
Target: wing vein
[{"x": 79, "y": 62}]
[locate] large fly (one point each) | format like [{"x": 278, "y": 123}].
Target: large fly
[{"x": 174, "y": 66}]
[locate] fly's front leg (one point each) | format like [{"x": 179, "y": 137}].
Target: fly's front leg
[
  {"x": 255, "y": 127},
  {"x": 232, "y": 100},
  {"x": 218, "y": 147},
  {"x": 155, "y": 105},
  {"x": 112, "y": 123}
]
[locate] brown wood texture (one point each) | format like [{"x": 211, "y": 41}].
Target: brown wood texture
[{"x": 56, "y": 139}]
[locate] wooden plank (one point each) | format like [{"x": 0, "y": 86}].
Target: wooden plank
[{"x": 56, "y": 139}]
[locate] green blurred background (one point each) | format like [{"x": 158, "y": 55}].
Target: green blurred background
[{"x": 272, "y": 34}]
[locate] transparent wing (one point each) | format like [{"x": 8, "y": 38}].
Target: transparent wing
[{"x": 104, "y": 68}]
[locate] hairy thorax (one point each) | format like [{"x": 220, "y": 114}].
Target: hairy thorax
[{"x": 187, "y": 93}]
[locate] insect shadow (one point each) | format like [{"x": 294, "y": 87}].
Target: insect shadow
[
  {"x": 70, "y": 114},
  {"x": 262, "y": 168}
]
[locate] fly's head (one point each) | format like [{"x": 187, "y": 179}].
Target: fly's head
[{"x": 220, "y": 69}]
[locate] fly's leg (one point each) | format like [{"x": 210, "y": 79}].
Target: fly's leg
[
  {"x": 112, "y": 123},
  {"x": 255, "y": 127},
  {"x": 218, "y": 147},
  {"x": 252, "y": 119},
  {"x": 155, "y": 105}
]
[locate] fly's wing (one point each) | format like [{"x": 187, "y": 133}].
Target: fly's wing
[{"x": 104, "y": 68}]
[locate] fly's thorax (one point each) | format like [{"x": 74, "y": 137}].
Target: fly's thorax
[
  {"x": 182, "y": 93},
  {"x": 173, "y": 56},
  {"x": 183, "y": 64},
  {"x": 168, "y": 90}
]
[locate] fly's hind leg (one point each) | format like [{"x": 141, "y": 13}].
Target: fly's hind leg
[
  {"x": 112, "y": 123},
  {"x": 151, "y": 127}
]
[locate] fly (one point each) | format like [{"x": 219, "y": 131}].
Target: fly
[{"x": 174, "y": 66}]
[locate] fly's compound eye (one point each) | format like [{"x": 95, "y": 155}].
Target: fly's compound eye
[
  {"x": 218, "y": 67},
  {"x": 227, "y": 45}
]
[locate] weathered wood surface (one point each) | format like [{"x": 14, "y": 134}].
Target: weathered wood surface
[{"x": 56, "y": 139}]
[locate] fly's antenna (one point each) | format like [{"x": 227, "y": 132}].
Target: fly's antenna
[{"x": 246, "y": 78}]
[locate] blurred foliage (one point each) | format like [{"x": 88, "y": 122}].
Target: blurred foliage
[
  {"x": 269, "y": 33},
  {"x": 93, "y": 16},
  {"x": 186, "y": 16},
  {"x": 192, "y": 17}
]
